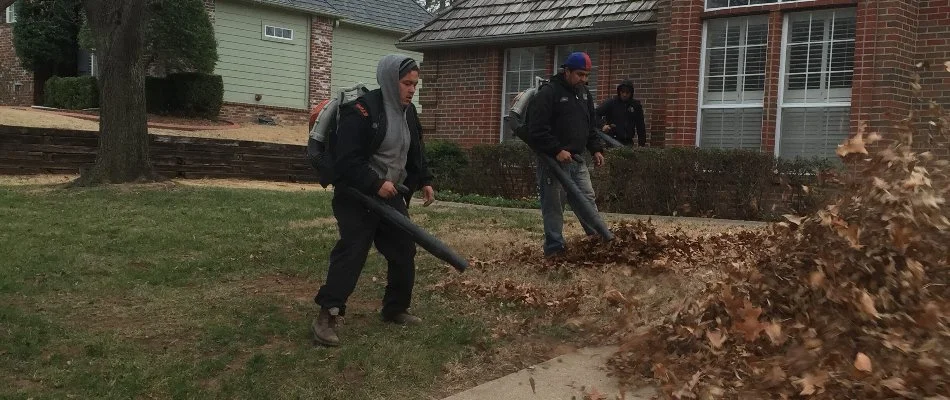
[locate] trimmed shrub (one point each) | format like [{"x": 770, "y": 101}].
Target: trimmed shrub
[
  {"x": 446, "y": 161},
  {"x": 74, "y": 93},
  {"x": 197, "y": 95},
  {"x": 733, "y": 184},
  {"x": 159, "y": 95}
]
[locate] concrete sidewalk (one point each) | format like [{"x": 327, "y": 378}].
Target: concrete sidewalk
[{"x": 571, "y": 376}]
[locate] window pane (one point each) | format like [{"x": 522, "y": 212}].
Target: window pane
[
  {"x": 820, "y": 57},
  {"x": 813, "y": 131},
  {"x": 717, "y": 62},
  {"x": 758, "y": 34},
  {"x": 269, "y": 30},
  {"x": 716, "y": 32},
  {"x": 738, "y": 128},
  {"x": 734, "y": 33},
  {"x": 844, "y": 27},
  {"x": 798, "y": 33},
  {"x": 522, "y": 66},
  {"x": 735, "y": 70}
]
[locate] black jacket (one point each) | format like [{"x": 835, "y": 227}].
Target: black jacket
[
  {"x": 562, "y": 118},
  {"x": 627, "y": 116},
  {"x": 357, "y": 140}
]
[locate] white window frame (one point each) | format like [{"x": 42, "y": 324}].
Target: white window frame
[
  {"x": 504, "y": 87},
  {"x": 702, "y": 83},
  {"x": 755, "y": 5},
  {"x": 783, "y": 81},
  {"x": 11, "y": 13},
  {"x": 275, "y": 36}
]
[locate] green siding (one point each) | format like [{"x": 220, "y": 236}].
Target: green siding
[
  {"x": 251, "y": 64},
  {"x": 356, "y": 52}
]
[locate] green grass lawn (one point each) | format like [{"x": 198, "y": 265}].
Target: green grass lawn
[{"x": 188, "y": 292}]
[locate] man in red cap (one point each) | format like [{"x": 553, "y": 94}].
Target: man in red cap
[{"x": 561, "y": 124}]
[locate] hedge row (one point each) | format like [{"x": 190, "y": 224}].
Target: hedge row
[
  {"x": 183, "y": 94},
  {"x": 732, "y": 184}
]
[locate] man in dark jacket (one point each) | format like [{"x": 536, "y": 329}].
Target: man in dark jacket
[
  {"x": 374, "y": 154},
  {"x": 561, "y": 123},
  {"x": 623, "y": 116}
]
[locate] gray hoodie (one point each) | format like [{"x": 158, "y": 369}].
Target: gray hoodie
[{"x": 390, "y": 160}]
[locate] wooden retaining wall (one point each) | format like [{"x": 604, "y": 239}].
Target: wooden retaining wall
[{"x": 25, "y": 151}]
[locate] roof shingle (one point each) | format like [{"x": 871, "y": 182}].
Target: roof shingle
[
  {"x": 471, "y": 19},
  {"x": 398, "y": 15}
]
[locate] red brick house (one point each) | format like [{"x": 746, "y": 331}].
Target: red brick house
[{"x": 793, "y": 77}]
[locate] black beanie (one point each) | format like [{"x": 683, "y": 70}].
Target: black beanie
[{"x": 407, "y": 65}]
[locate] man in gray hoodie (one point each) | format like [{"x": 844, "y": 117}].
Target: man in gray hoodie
[{"x": 378, "y": 147}]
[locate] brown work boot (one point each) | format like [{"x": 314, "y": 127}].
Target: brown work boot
[
  {"x": 324, "y": 327},
  {"x": 403, "y": 318}
]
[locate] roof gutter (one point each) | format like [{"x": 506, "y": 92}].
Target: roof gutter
[
  {"x": 510, "y": 39},
  {"x": 388, "y": 29}
]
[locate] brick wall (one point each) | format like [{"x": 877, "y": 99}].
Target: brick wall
[
  {"x": 884, "y": 60},
  {"x": 462, "y": 97},
  {"x": 248, "y": 113},
  {"x": 683, "y": 41},
  {"x": 633, "y": 57},
  {"x": 933, "y": 46},
  {"x": 884, "y": 57},
  {"x": 209, "y": 7},
  {"x": 658, "y": 119},
  {"x": 321, "y": 58},
  {"x": 11, "y": 72},
  {"x": 772, "y": 79}
]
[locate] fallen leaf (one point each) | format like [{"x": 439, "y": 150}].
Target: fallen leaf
[
  {"x": 854, "y": 144},
  {"x": 812, "y": 383},
  {"x": 716, "y": 338},
  {"x": 531, "y": 381},
  {"x": 862, "y": 362},
  {"x": 775, "y": 376},
  {"x": 816, "y": 279},
  {"x": 894, "y": 383},
  {"x": 748, "y": 323},
  {"x": 794, "y": 219},
  {"x": 774, "y": 331},
  {"x": 867, "y": 304},
  {"x": 615, "y": 298}
]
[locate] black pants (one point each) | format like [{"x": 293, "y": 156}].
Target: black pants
[{"x": 359, "y": 229}]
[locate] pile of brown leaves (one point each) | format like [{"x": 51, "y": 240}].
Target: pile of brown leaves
[{"x": 851, "y": 302}]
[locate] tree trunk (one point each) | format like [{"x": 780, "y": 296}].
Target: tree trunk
[
  {"x": 123, "y": 153},
  {"x": 40, "y": 76}
]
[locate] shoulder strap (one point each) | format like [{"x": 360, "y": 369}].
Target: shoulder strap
[{"x": 374, "y": 104}]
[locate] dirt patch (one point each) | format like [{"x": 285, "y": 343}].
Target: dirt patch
[
  {"x": 159, "y": 119},
  {"x": 284, "y": 134},
  {"x": 297, "y": 289},
  {"x": 28, "y": 180},
  {"x": 21, "y": 116},
  {"x": 245, "y": 184}
]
